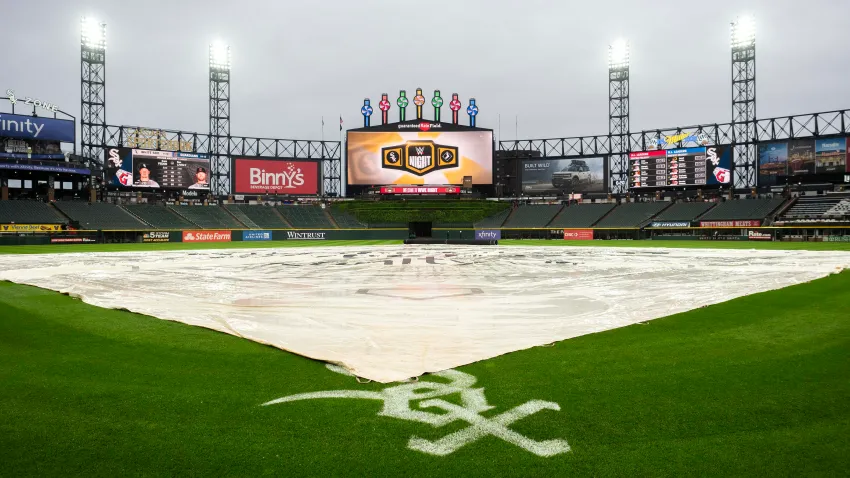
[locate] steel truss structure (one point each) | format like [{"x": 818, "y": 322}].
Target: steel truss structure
[
  {"x": 744, "y": 104},
  {"x": 329, "y": 152},
  {"x": 93, "y": 91},
  {"x": 618, "y": 124},
  {"x": 218, "y": 143},
  {"x": 812, "y": 125}
]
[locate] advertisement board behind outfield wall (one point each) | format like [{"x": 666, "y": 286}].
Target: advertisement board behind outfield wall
[
  {"x": 759, "y": 236},
  {"x": 206, "y": 236},
  {"x": 256, "y": 235},
  {"x": 578, "y": 234},
  {"x": 488, "y": 235},
  {"x": 755, "y": 223},
  {"x": 157, "y": 236}
]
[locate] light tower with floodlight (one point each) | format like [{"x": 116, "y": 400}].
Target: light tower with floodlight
[
  {"x": 220, "y": 118},
  {"x": 618, "y": 113},
  {"x": 93, "y": 88},
  {"x": 744, "y": 100}
]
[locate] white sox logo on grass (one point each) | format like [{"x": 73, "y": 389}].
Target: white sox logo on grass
[
  {"x": 409, "y": 401},
  {"x": 419, "y": 157}
]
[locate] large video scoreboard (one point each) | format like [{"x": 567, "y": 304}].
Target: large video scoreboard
[{"x": 704, "y": 166}]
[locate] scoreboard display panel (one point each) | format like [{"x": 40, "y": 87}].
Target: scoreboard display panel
[
  {"x": 704, "y": 166},
  {"x": 142, "y": 168}
]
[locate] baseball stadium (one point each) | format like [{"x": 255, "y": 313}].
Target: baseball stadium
[{"x": 422, "y": 297}]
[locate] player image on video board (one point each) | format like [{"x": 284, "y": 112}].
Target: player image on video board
[
  {"x": 564, "y": 176},
  {"x": 141, "y": 168}
]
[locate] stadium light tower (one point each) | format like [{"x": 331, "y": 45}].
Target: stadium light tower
[
  {"x": 744, "y": 100},
  {"x": 618, "y": 113},
  {"x": 220, "y": 118},
  {"x": 93, "y": 88}
]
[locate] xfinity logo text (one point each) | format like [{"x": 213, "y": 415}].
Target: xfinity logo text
[
  {"x": 488, "y": 235},
  {"x": 10, "y": 125},
  {"x": 31, "y": 127}
]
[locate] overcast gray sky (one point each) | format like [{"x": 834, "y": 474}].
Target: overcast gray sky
[{"x": 544, "y": 62}]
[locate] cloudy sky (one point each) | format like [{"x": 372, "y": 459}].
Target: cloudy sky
[{"x": 542, "y": 62}]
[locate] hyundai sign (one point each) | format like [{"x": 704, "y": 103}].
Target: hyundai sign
[{"x": 32, "y": 127}]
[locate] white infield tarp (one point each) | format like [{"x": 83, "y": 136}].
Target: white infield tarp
[{"x": 392, "y": 312}]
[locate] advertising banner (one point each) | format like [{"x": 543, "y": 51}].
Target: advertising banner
[
  {"x": 671, "y": 224},
  {"x": 72, "y": 240},
  {"x": 206, "y": 236},
  {"x": 801, "y": 156},
  {"x": 306, "y": 235},
  {"x": 45, "y": 167},
  {"x": 759, "y": 236},
  {"x": 756, "y": 223},
  {"x": 430, "y": 155},
  {"x": 31, "y": 127},
  {"x": 420, "y": 190},
  {"x": 562, "y": 176},
  {"x": 30, "y": 227},
  {"x": 578, "y": 234},
  {"x": 773, "y": 162},
  {"x": 256, "y": 235},
  {"x": 488, "y": 235},
  {"x": 830, "y": 155},
  {"x": 30, "y": 149},
  {"x": 142, "y": 168},
  {"x": 836, "y": 239},
  {"x": 158, "y": 236},
  {"x": 267, "y": 176}
]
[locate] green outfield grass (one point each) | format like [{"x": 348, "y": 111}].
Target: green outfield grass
[{"x": 754, "y": 386}]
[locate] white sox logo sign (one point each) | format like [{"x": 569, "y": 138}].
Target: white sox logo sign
[
  {"x": 419, "y": 157},
  {"x": 409, "y": 401}
]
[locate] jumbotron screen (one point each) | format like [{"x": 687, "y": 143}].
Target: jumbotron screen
[
  {"x": 143, "y": 168},
  {"x": 579, "y": 175},
  {"x": 420, "y": 157},
  {"x": 704, "y": 166}
]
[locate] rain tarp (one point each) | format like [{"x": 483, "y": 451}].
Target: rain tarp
[{"x": 388, "y": 313}]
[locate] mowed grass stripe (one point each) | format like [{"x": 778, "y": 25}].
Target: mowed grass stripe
[{"x": 754, "y": 386}]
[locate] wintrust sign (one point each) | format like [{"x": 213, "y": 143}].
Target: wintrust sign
[{"x": 263, "y": 176}]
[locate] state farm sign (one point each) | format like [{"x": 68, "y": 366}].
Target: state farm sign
[
  {"x": 265, "y": 176},
  {"x": 206, "y": 236}
]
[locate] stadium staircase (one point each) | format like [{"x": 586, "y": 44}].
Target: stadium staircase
[
  {"x": 207, "y": 217},
  {"x": 159, "y": 216},
  {"x": 265, "y": 217},
  {"x": 581, "y": 215},
  {"x": 240, "y": 216},
  {"x": 29, "y": 212},
  {"x": 743, "y": 209},
  {"x": 684, "y": 211},
  {"x": 495, "y": 221},
  {"x": 532, "y": 216},
  {"x": 305, "y": 217},
  {"x": 632, "y": 214},
  {"x": 100, "y": 216},
  {"x": 124, "y": 207},
  {"x": 345, "y": 220},
  {"x": 330, "y": 218}
]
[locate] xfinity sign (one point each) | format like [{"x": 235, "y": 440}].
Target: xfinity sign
[
  {"x": 35, "y": 128},
  {"x": 488, "y": 235}
]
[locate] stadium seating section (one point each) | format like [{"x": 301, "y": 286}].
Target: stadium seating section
[
  {"x": 684, "y": 211},
  {"x": 493, "y": 222},
  {"x": 813, "y": 207},
  {"x": 345, "y": 220},
  {"x": 840, "y": 210},
  {"x": 265, "y": 217},
  {"x": 743, "y": 209},
  {"x": 632, "y": 214},
  {"x": 532, "y": 216},
  {"x": 241, "y": 217},
  {"x": 29, "y": 212},
  {"x": 159, "y": 216},
  {"x": 100, "y": 215},
  {"x": 208, "y": 217},
  {"x": 305, "y": 217},
  {"x": 581, "y": 215}
]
